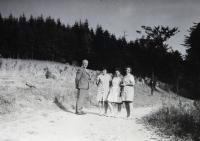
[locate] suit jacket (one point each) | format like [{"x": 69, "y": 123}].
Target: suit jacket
[{"x": 82, "y": 79}]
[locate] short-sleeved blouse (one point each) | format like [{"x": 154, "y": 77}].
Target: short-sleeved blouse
[{"x": 128, "y": 91}]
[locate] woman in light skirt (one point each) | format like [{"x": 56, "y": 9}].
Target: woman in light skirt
[
  {"x": 103, "y": 83},
  {"x": 114, "y": 98},
  {"x": 128, "y": 83}
]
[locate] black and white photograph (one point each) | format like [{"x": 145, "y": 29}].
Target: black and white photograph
[{"x": 99, "y": 70}]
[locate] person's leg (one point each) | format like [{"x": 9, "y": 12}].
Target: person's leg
[
  {"x": 105, "y": 107},
  {"x": 127, "y": 108},
  {"x": 119, "y": 107},
  {"x": 99, "y": 106},
  {"x": 110, "y": 106},
  {"x": 77, "y": 101},
  {"x": 131, "y": 106},
  {"x": 81, "y": 100},
  {"x": 114, "y": 106}
]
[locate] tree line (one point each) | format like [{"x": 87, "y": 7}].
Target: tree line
[
  {"x": 48, "y": 39},
  {"x": 191, "y": 78}
]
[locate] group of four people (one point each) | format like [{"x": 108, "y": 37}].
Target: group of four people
[{"x": 113, "y": 90}]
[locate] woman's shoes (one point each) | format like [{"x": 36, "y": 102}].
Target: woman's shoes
[{"x": 80, "y": 113}]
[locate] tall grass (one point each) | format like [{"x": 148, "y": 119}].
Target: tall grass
[
  {"x": 180, "y": 120},
  {"x": 7, "y": 104},
  {"x": 16, "y": 73}
]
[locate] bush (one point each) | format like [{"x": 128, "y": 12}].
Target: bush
[
  {"x": 7, "y": 104},
  {"x": 178, "y": 121}
]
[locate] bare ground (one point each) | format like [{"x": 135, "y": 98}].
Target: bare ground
[{"x": 59, "y": 125}]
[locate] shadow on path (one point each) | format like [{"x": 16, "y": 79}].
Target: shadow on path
[
  {"x": 61, "y": 106},
  {"x": 108, "y": 116}
]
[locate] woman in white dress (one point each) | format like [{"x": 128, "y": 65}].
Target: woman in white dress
[
  {"x": 114, "y": 98},
  {"x": 103, "y": 83},
  {"x": 128, "y": 83}
]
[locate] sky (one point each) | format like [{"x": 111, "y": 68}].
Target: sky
[{"x": 117, "y": 16}]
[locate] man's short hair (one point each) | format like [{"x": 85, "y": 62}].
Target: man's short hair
[{"x": 84, "y": 61}]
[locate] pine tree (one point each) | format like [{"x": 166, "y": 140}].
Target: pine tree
[{"x": 192, "y": 67}]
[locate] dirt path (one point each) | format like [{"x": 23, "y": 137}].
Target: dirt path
[{"x": 66, "y": 126}]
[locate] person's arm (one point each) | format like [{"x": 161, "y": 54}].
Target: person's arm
[
  {"x": 97, "y": 81},
  {"x": 122, "y": 84},
  {"x": 90, "y": 77},
  {"x": 110, "y": 80},
  {"x": 131, "y": 82}
]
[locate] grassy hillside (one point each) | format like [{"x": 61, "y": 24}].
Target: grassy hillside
[{"x": 24, "y": 86}]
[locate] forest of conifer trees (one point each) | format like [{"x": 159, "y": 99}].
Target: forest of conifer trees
[{"x": 48, "y": 39}]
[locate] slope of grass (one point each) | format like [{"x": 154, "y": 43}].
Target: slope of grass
[
  {"x": 25, "y": 81},
  {"x": 180, "y": 119}
]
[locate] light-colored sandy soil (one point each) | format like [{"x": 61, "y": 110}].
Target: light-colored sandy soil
[{"x": 58, "y": 125}]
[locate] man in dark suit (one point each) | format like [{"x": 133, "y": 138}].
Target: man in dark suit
[{"x": 82, "y": 81}]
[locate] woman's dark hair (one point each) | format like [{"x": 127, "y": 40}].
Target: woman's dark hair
[
  {"x": 104, "y": 69},
  {"x": 117, "y": 69},
  {"x": 129, "y": 68}
]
